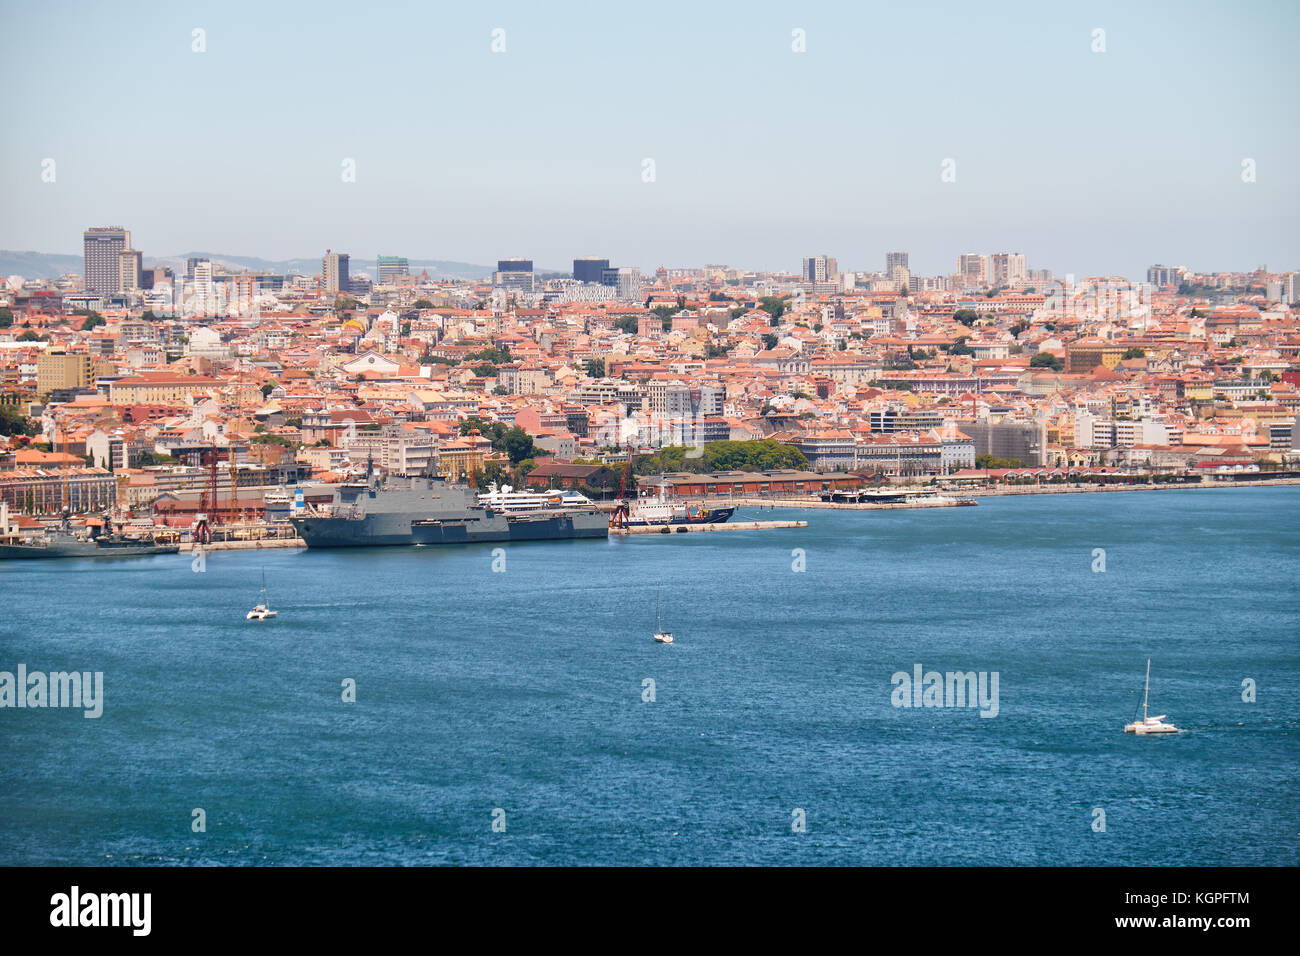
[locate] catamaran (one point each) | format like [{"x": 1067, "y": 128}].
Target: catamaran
[
  {"x": 662, "y": 636},
  {"x": 263, "y": 610},
  {"x": 1149, "y": 725}
]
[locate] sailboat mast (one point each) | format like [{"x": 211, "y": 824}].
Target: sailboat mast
[
  {"x": 659, "y": 609},
  {"x": 1147, "y": 691}
]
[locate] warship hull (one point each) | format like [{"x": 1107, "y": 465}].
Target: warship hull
[
  {"x": 83, "y": 549},
  {"x": 430, "y": 512}
]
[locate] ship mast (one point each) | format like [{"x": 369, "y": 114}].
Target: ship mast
[{"x": 1146, "y": 691}]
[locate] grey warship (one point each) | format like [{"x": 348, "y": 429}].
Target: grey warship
[
  {"x": 63, "y": 542},
  {"x": 427, "y": 511}
]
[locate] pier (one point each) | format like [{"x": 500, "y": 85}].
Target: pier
[
  {"x": 699, "y": 528},
  {"x": 935, "y": 501},
  {"x": 255, "y": 544}
]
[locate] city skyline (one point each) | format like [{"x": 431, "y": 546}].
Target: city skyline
[{"x": 1103, "y": 153}]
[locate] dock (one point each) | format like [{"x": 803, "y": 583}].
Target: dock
[
  {"x": 255, "y": 544},
  {"x": 699, "y": 528},
  {"x": 861, "y": 504}
]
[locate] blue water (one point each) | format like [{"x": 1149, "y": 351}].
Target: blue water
[{"x": 522, "y": 690}]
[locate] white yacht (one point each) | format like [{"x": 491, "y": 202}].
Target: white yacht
[
  {"x": 263, "y": 610},
  {"x": 1149, "y": 725},
  {"x": 506, "y": 500}
]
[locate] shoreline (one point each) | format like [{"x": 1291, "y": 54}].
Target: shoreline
[{"x": 750, "y": 501}]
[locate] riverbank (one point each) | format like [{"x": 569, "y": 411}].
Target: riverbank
[
  {"x": 989, "y": 491},
  {"x": 983, "y": 491}
]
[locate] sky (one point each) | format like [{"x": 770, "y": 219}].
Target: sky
[{"x": 1089, "y": 161}]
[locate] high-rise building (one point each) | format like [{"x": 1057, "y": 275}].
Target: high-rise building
[
  {"x": 590, "y": 269},
  {"x": 57, "y": 368},
  {"x": 389, "y": 268},
  {"x": 819, "y": 269},
  {"x": 1008, "y": 268},
  {"x": 1159, "y": 275},
  {"x": 130, "y": 264},
  {"x": 335, "y": 269},
  {"x": 202, "y": 298},
  {"x": 101, "y": 247},
  {"x": 626, "y": 280},
  {"x": 155, "y": 278},
  {"x": 895, "y": 259},
  {"x": 1291, "y": 288},
  {"x": 973, "y": 268},
  {"x": 514, "y": 275}
]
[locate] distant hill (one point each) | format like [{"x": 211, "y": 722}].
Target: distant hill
[
  {"x": 37, "y": 265},
  {"x": 43, "y": 265}
]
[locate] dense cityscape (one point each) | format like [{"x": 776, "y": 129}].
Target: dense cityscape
[
  {"x": 124, "y": 385},
  {"x": 442, "y": 437}
]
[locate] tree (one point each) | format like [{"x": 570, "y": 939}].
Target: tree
[
  {"x": 626, "y": 324},
  {"x": 966, "y": 317},
  {"x": 155, "y": 458},
  {"x": 267, "y": 389},
  {"x": 13, "y": 423},
  {"x": 773, "y": 305},
  {"x": 518, "y": 444},
  {"x": 769, "y": 341},
  {"x": 30, "y": 336},
  {"x": 486, "y": 370},
  {"x": 1134, "y": 353},
  {"x": 423, "y": 304},
  {"x": 988, "y": 461},
  {"x": 406, "y": 329},
  {"x": 1046, "y": 360},
  {"x": 960, "y": 347},
  {"x": 495, "y": 356},
  {"x": 6, "y": 317},
  {"x": 596, "y": 368},
  {"x": 93, "y": 319},
  {"x": 765, "y": 455}
]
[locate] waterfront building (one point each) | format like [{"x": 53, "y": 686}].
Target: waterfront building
[{"x": 47, "y": 490}]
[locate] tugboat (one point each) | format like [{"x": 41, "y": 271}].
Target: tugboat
[{"x": 658, "y": 511}]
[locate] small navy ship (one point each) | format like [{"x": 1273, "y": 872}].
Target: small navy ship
[
  {"x": 428, "y": 511},
  {"x": 63, "y": 542}
]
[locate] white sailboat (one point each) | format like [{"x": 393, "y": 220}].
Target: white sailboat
[
  {"x": 263, "y": 610},
  {"x": 662, "y": 636},
  {"x": 1149, "y": 725}
]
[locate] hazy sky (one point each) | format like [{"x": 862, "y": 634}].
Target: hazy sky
[{"x": 1088, "y": 162}]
